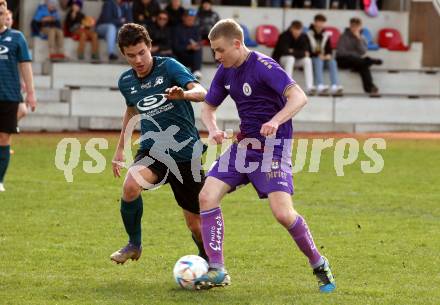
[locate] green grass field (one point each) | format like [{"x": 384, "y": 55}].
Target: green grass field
[{"x": 381, "y": 233}]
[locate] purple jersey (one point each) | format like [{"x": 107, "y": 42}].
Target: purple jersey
[{"x": 257, "y": 87}]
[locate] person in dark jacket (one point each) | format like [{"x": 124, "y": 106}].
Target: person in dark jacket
[
  {"x": 109, "y": 21},
  {"x": 351, "y": 53},
  {"x": 161, "y": 35},
  {"x": 187, "y": 43},
  {"x": 322, "y": 55},
  {"x": 206, "y": 18},
  {"x": 175, "y": 12},
  {"x": 145, "y": 11},
  {"x": 292, "y": 50}
]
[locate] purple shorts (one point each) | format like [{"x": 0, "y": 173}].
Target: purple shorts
[{"x": 237, "y": 167}]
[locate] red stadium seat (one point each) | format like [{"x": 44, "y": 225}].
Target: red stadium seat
[
  {"x": 334, "y": 35},
  {"x": 392, "y": 40},
  {"x": 267, "y": 34}
]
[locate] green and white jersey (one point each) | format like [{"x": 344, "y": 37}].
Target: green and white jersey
[{"x": 159, "y": 114}]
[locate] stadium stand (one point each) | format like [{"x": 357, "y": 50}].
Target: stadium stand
[
  {"x": 371, "y": 45},
  {"x": 267, "y": 34},
  {"x": 334, "y": 35},
  {"x": 75, "y": 95},
  {"x": 391, "y": 39}
]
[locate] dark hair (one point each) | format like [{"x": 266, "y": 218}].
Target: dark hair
[
  {"x": 355, "y": 21},
  {"x": 296, "y": 24},
  {"x": 320, "y": 17},
  {"x": 131, "y": 34}
]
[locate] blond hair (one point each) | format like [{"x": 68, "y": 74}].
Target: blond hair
[{"x": 227, "y": 28}]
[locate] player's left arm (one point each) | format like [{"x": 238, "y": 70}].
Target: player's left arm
[
  {"x": 195, "y": 92},
  {"x": 296, "y": 99},
  {"x": 26, "y": 72}
]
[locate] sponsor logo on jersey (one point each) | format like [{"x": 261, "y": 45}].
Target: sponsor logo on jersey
[
  {"x": 133, "y": 90},
  {"x": 247, "y": 90},
  {"x": 146, "y": 85},
  {"x": 8, "y": 39},
  {"x": 3, "y": 49},
  {"x": 151, "y": 102}
]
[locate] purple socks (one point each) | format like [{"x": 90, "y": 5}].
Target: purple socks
[
  {"x": 303, "y": 238},
  {"x": 212, "y": 234}
]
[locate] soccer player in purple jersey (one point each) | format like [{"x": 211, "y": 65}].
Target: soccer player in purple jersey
[{"x": 266, "y": 99}]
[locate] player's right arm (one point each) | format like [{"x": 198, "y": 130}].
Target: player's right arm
[
  {"x": 215, "y": 96},
  {"x": 118, "y": 157},
  {"x": 210, "y": 121}
]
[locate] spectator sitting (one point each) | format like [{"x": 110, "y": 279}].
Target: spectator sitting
[
  {"x": 160, "y": 33},
  {"x": 81, "y": 27},
  {"x": 351, "y": 53},
  {"x": 47, "y": 22},
  {"x": 292, "y": 50},
  {"x": 321, "y": 53},
  {"x": 175, "y": 12},
  {"x": 206, "y": 18},
  {"x": 145, "y": 11},
  {"x": 187, "y": 46},
  {"x": 109, "y": 21}
]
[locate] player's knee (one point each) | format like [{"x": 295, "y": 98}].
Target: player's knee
[
  {"x": 207, "y": 201},
  {"x": 285, "y": 219},
  {"x": 131, "y": 190},
  {"x": 4, "y": 139}
]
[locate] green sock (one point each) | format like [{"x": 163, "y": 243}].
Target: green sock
[
  {"x": 131, "y": 213},
  {"x": 4, "y": 161}
]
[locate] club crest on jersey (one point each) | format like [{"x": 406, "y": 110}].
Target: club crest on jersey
[
  {"x": 158, "y": 81},
  {"x": 247, "y": 90},
  {"x": 3, "y": 49},
  {"x": 151, "y": 102},
  {"x": 275, "y": 164}
]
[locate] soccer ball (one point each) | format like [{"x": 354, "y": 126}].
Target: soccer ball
[{"x": 187, "y": 269}]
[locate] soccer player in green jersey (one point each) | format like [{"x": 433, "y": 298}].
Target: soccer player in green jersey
[
  {"x": 159, "y": 90},
  {"x": 15, "y": 61}
]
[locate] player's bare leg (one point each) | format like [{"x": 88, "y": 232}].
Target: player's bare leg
[
  {"x": 282, "y": 208},
  {"x": 193, "y": 223},
  {"x": 21, "y": 113},
  {"x": 212, "y": 233},
  {"x": 5, "y": 153},
  {"x": 131, "y": 212}
]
